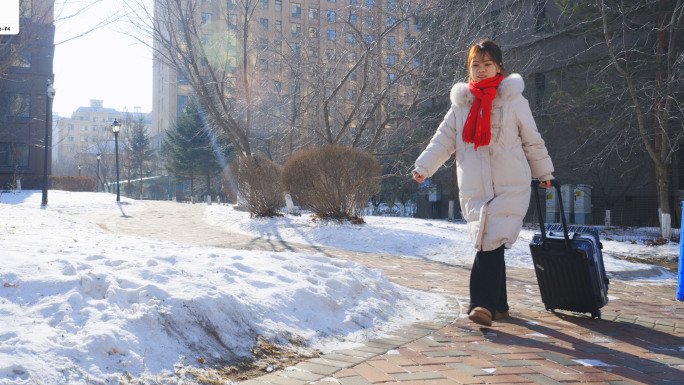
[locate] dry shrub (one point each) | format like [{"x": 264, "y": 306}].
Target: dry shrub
[
  {"x": 258, "y": 180},
  {"x": 334, "y": 182},
  {"x": 72, "y": 183}
]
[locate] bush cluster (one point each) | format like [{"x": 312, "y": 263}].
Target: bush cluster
[
  {"x": 259, "y": 182},
  {"x": 72, "y": 183},
  {"x": 334, "y": 182}
]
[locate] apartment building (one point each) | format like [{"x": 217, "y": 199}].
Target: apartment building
[
  {"x": 25, "y": 69},
  {"x": 294, "y": 49},
  {"x": 79, "y": 138}
]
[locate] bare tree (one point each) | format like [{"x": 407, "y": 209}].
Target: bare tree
[
  {"x": 212, "y": 55},
  {"x": 636, "y": 80}
]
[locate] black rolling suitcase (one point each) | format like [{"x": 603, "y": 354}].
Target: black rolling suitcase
[{"x": 569, "y": 264}]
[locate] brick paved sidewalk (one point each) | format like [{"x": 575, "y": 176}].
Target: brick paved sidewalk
[{"x": 639, "y": 340}]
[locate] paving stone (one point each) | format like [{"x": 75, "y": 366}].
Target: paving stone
[
  {"x": 559, "y": 359},
  {"x": 300, "y": 375},
  {"x": 491, "y": 349},
  {"x": 541, "y": 379},
  {"x": 355, "y": 380},
  {"x": 357, "y": 353},
  {"x": 445, "y": 353},
  {"x": 330, "y": 362},
  {"x": 343, "y": 357},
  {"x": 317, "y": 368},
  {"x": 595, "y": 349},
  {"x": 279, "y": 380},
  {"x": 418, "y": 376},
  {"x": 429, "y": 342},
  {"x": 507, "y": 363},
  {"x": 670, "y": 361},
  {"x": 468, "y": 369}
]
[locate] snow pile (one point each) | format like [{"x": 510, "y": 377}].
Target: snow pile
[{"x": 80, "y": 304}]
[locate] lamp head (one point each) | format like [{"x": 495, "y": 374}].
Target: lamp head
[
  {"x": 99, "y": 156},
  {"x": 51, "y": 91},
  {"x": 116, "y": 126}
]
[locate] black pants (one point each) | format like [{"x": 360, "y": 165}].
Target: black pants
[{"x": 488, "y": 281}]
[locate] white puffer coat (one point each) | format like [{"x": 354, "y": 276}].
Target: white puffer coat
[{"x": 494, "y": 181}]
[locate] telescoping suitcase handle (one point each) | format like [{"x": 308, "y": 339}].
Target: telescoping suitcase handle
[{"x": 555, "y": 183}]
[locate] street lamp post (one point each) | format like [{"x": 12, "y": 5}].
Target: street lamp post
[
  {"x": 97, "y": 179},
  {"x": 116, "y": 126},
  {"x": 48, "y": 114}
]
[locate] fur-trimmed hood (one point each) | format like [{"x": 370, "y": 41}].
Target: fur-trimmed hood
[{"x": 513, "y": 85}]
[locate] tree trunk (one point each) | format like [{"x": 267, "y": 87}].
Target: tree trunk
[{"x": 663, "y": 181}]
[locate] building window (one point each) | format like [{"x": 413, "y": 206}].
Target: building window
[
  {"x": 14, "y": 154},
  {"x": 331, "y": 1},
  {"x": 369, "y": 3},
  {"x": 406, "y": 25},
  {"x": 330, "y": 34},
  {"x": 352, "y": 19},
  {"x": 277, "y": 66},
  {"x": 230, "y": 4},
  {"x": 278, "y": 5},
  {"x": 330, "y": 16},
  {"x": 263, "y": 64},
  {"x": 390, "y": 42},
  {"x": 390, "y": 76},
  {"x": 391, "y": 5},
  {"x": 296, "y": 49},
  {"x": 206, "y": 18},
  {"x": 352, "y": 2},
  {"x": 296, "y": 29},
  {"x": 279, "y": 25},
  {"x": 390, "y": 60},
  {"x": 369, "y": 21},
  {"x": 390, "y": 21},
  {"x": 264, "y": 23},
  {"x": 263, "y": 44},
  {"x": 296, "y": 10},
  {"x": 351, "y": 37},
  {"x": 19, "y": 106},
  {"x": 313, "y": 13},
  {"x": 540, "y": 16},
  {"x": 368, "y": 39},
  {"x": 26, "y": 10},
  {"x": 264, "y": 4},
  {"x": 313, "y": 32},
  {"x": 232, "y": 21},
  {"x": 278, "y": 46},
  {"x": 19, "y": 60}
]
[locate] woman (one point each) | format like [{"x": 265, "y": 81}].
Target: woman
[{"x": 498, "y": 150}]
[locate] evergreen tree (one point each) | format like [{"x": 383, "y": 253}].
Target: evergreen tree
[
  {"x": 191, "y": 148},
  {"x": 139, "y": 150}
]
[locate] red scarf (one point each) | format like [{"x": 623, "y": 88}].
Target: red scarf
[{"x": 477, "y": 127}]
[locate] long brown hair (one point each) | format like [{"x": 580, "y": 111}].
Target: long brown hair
[{"x": 486, "y": 47}]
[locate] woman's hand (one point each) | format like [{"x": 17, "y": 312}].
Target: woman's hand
[
  {"x": 417, "y": 177},
  {"x": 545, "y": 183}
]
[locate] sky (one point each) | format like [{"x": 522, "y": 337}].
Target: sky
[
  {"x": 80, "y": 304},
  {"x": 105, "y": 64}
]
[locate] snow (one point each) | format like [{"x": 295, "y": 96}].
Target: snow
[{"x": 83, "y": 305}]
